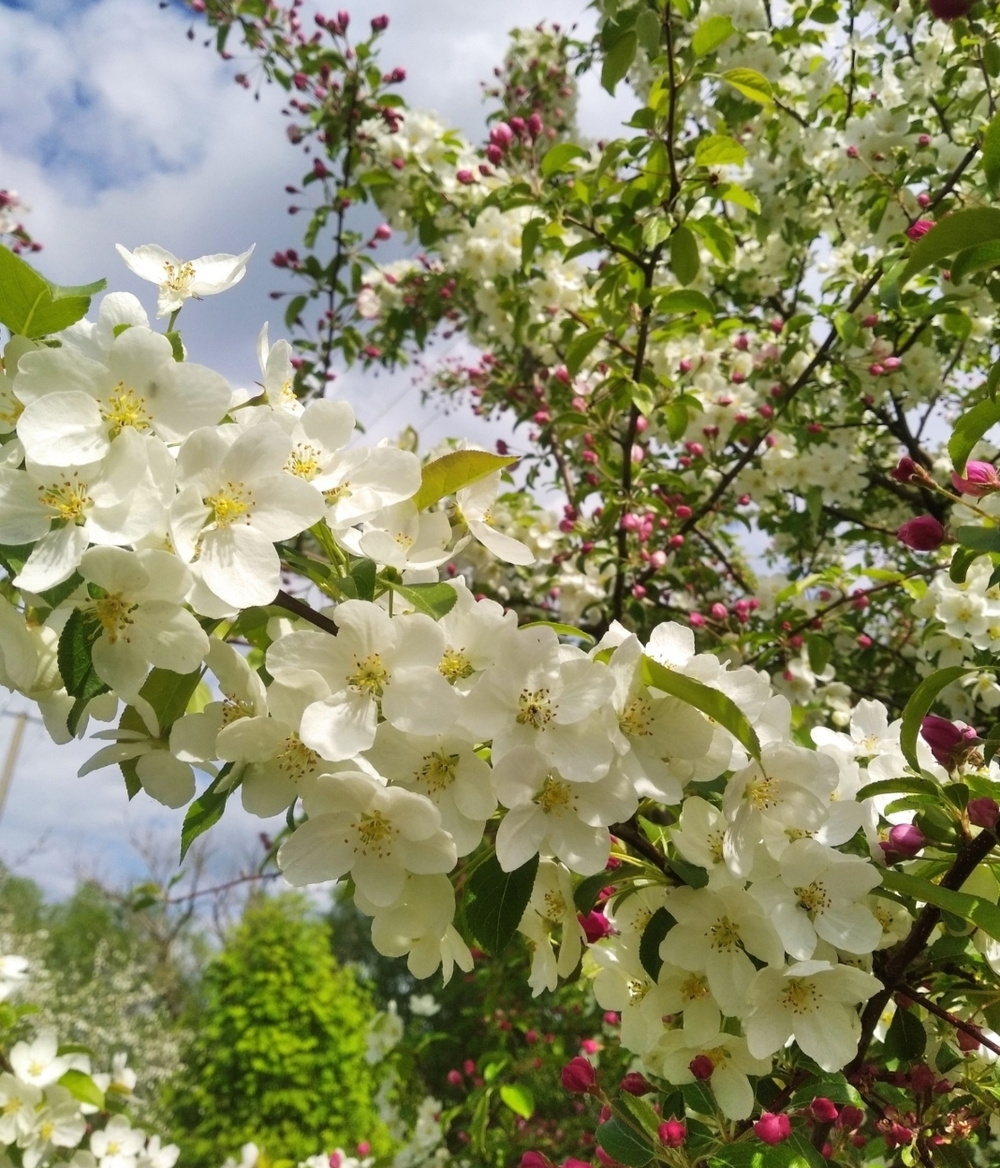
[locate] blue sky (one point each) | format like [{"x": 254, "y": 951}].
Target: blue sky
[{"x": 115, "y": 127}]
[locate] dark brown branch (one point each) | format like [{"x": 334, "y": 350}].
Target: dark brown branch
[
  {"x": 946, "y": 1016},
  {"x": 298, "y": 607}
]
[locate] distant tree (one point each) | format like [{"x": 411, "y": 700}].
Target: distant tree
[{"x": 278, "y": 1053}]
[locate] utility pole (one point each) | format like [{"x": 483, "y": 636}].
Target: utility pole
[{"x": 10, "y": 762}]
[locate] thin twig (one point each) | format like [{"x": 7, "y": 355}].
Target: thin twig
[{"x": 300, "y": 608}]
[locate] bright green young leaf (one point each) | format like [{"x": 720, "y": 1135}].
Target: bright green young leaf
[
  {"x": 956, "y": 232},
  {"x": 975, "y": 259},
  {"x": 717, "y": 236},
  {"x": 734, "y": 193},
  {"x": 83, "y": 1088},
  {"x": 364, "y": 574},
  {"x": 619, "y": 60},
  {"x": 719, "y": 150},
  {"x": 452, "y": 472},
  {"x": 496, "y": 900},
  {"x": 624, "y": 1144},
  {"x": 753, "y": 85},
  {"x": 685, "y": 300},
  {"x": 559, "y": 157},
  {"x": 632, "y": 1107},
  {"x": 904, "y": 785},
  {"x": 993, "y": 380},
  {"x": 684, "y": 258},
  {"x": 710, "y": 34},
  {"x": 205, "y": 811},
  {"x": 31, "y": 306},
  {"x": 561, "y": 629},
  {"x": 981, "y": 912},
  {"x": 519, "y": 1099},
  {"x": 648, "y": 30},
  {"x": 435, "y": 600},
  {"x": 921, "y": 700},
  {"x": 793, "y": 1153},
  {"x": 716, "y": 705},
  {"x": 969, "y": 428},
  {"x": 580, "y": 348},
  {"x": 991, "y": 155}
]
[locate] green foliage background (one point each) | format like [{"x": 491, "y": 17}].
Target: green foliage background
[{"x": 277, "y": 1054}]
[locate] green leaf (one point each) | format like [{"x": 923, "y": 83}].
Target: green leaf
[
  {"x": 587, "y": 891},
  {"x": 530, "y": 235},
  {"x": 619, "y": 60},
  {"x": 969, "y": 428},
  {"x": 710, "y": 34},
  {"x": 496, "y": 900},
  {"x": 624, "y": 1144},
  {"x": 647, "y": 29},
  {"x": 920, "y": 702},
  {"x": 31, "y": 306},
  {"x": 904, "y": 785},
  {"x": 76, "y": 667},
  {"x": 991, "y": 155},
  {"x": 684, "y": 258},
  {"x": 793, "y": 1153},
  {"x": 734, "y": 193},
  {"x": 436, "y": 600},
  {"x": 993, "y": 380},
  {"x": 364, "y": 574},
  {"x": 660, "y": 923},
  {"x": 205, "y": 811},
  {"x": 979, "y": 539},
  {"x": 693, "y": 875},
  {"x": 834, "y": 1087},
  {"x": 519, "y": 1099},
  {"x": 716, "y": 705},
  {"x": 83, "y": 1088},
  {"x": 719, "y": 150},
  {"x": 558, "y": 158},
  {"x": 906, "y": 1038},
  {"x": 750, "y": 83},
  {"x": 820, "y": 650},
  {"x": 974, "y": 259},
  {"x": 954, "y": 233},
  {"x": 635, "y": 1108},
  {"x": 452, "y": 472},
  {"x": 561, "y": 629},
  {"x": 580, "y": 348},
  {"x": 685, "y": 300},
  {"x": 981, "y": 912}
]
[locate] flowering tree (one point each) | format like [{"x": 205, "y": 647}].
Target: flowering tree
[{"x": 734, "y": 339}]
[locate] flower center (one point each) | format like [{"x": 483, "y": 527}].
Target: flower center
[
  {"x": 69, "y": 499},
  {"x": 637, "y": 990},
  {"x": 233, "y": 708},
  {"x": 762, "y": 793},
  {"x": 13, "y": 1104},
  {"x": 814, "y": 898},
  {"x": 10, "y": 411},
  {"x": 800, "y": 995},
  {"x": 455, "y": 665},
  {"x": 46, "y": 1129},
  {"x": 535, "y": 708},
  {"x": 178, "y": 277},
  {"x": 377, "y": 833},
  {"x": 637, "y": 718},
  {"x": 369, "y": 675},
  {"x": 35, "y": 1068},
  {"x": 715, "y": 841},
  {"x": 883, "y": 916},
  {"x": 113, "y": 1148},
  {"x": 296, "y": 759},
  {"x": 725, "y": 936},
  {"x": 304, "y": 462},
  {"x": 694, "y": 988},
  {"x": 114, "y": 613},
  {"x": 334, "y": 494},
  {"x": 229, "y": 503},
  {"x": 437, "y": 771},
  {"x": 555, "y": 906},
  {"x": 125, "y": 408},
  {"x": 555, "y": 796}
]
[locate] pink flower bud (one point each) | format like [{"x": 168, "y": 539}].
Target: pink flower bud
[
  {"x": 905, "y": 841},
  {"x": 380, "y": 23},
  {"x": 922, "y": 534},
  {"x": 701, "y": 1066},
  {"x": 685, "y": 366},
  {"x": 898, "y": 1136},
  {"x": 696, "y": 620},
  {"x": 469, "y": 1066},
  {"x": 502, "y": 135},
  {"x": 494, "y": 154},
  {"x": 919, "y": 229},
  {"x": 595, "y": 926},
  {"x": 535, "y": 1160},
  {"x": 871, "y": 320},
  {"x": 636, "y": 1084},
  {"x": 983, "y": 812},
  {"x": 639, "y": 591},
  {"x": 876, "y": 369},
  {"x": 517, "y": 125},
  {"x": 948, "y": 742},
  {"x": 675, "y": 542},
  {"x": 824, "y": 1110},
  {"x": 980, "y": 479},
  {"x": 863, "y": 640},
  {"x": 891, "y": 364},
  {"x": 852, "y": 152},
  {"x": 672, "y": 1134},
  {"x": 578, "y": 1076},
  {"x": 534, "y": 125},
  {"x": 658, "y": 560},
  {"x": 465, "y": 177},
  {"x": 923, "y": 199},
  {"x": 638, "y": 453},
  {"x": 850, "y": 1117},
  {"x": 455, "y": 1078},
  {"x": 590, "y": 1046},
  {"x": 364, "y": 1147},
  {"x": 773, "y": 1129},
  {"x": 383, "y": 231},
  {"x": 719, "y": 612},
  {"x": 907, "y": 471},
  {"x": 924, "y": 140}
]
